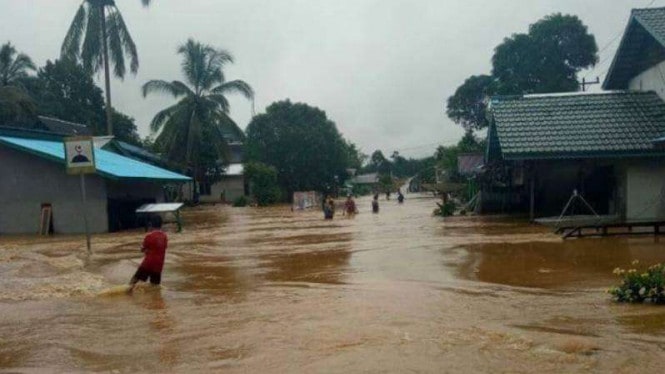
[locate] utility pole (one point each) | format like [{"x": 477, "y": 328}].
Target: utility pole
[{"x": 585, "y": 83}]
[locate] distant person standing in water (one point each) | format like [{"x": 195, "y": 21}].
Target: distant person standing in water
[
  {"x": 328, "y": 208},
  {"x": 400, "y": 196},
  {"x": 154, "y": 248},
  {"x": 375, "y": 203},
  {"x": 350, "y": 206}
]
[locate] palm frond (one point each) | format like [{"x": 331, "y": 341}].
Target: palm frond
[
  {"x": 221, "y": 103},
  {"x": 116, "y": 53},
  {"x": 127, "y": 41},
  {"x": 91, "y": 50},
  {"x": 72, "y": 43},
  {"x": 162, "y": 117},
  {"x": 235, "y": 86},
  {"x": 175, "y": 88}
]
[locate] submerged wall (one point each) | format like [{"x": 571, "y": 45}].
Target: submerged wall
[{"x": 28, "y": 181}]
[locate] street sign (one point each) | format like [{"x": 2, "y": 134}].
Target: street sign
[
  {"x": 80, "y": 159},
  {"x": 80, "y": 155}
]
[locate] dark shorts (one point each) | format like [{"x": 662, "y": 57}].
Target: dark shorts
[{"x": 143, "y": 275}]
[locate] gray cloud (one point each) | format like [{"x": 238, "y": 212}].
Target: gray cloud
[{"x": 380, "y": 69}]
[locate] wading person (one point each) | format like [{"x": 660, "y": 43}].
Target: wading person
[
  {"x": 350, "y": 206},
  {"x": 154, "y": 248},
  {"x": 400, "y": 196},
  {"x": 375, "y": 203},
  {"x": 328, "y": 208}
]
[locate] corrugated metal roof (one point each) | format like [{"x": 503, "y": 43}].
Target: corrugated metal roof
[
  {"x": 370, "y": 178},
  {"x": 109, "y": 164},
  {"x": 596, "y": 125}
]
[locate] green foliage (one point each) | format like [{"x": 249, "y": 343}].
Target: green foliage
[
  {"x": 354, "y": 157},
  {"x": 65, "y": 91},
  {"x": 445, "y": 210},
  {"x": 124, "y": 128},
  {"x": 468, "y": 107},
  {"x": 446, "y": 157},
  {"x": 241, "y": 201},
  {"x": 62, "y": 89},
  {"x": 263, "y": 183},
  {"x": 301, "y": 143},
  {"x": 546, "y": 59},
  {"x": 13, "y": 66},
  {"x": 640, "y": 286},
  {"x": 83, "y": 39},
  {"x": 16, "y": 107},
  {"x": 192, "y": 132}
]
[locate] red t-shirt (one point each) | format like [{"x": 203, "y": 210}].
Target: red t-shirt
[{"x": 155, "y": 249}]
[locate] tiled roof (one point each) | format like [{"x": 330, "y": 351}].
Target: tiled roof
[
  {"x": 642, "y": 46},
  {"x": 579, "y": 125},
  {"x": 653, "y": 19}
]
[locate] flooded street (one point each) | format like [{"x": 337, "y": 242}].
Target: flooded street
[{"x": 270, "y": 290}]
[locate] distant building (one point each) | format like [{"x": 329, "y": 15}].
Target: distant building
[
  {"x": 606, "y": 146},
  {"x": 33, "y": 176}
]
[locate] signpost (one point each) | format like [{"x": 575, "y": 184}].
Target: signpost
[{"x": 80, "y": 159}]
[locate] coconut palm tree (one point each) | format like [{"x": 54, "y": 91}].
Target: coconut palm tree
[
  {"x": 97, "y": 30},
  {"x": 196, "y": 123},
  {"x": 13, "y": 66}
]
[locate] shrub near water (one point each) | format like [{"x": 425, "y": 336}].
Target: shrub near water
[{"x": 640, "y": 286}]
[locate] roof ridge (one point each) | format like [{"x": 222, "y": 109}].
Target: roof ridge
[
  {"x": 572, "y": 94},
  {"x": 63, "y": 121},
  {"x": 635, "y": 9}
]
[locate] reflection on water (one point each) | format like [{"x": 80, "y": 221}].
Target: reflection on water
[{"x": 270, "y": 290}]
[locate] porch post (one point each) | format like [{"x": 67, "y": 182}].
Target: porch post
[{"x": 532, "y": 187}]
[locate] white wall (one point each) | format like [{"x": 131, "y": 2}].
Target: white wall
[
  {"x": 645, "y": 190},
  {"x": 652, "y": 79},
  {"x": 28, "y": 181}
]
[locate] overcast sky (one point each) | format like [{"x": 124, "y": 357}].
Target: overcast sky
[{"x": 381, "y": 69}]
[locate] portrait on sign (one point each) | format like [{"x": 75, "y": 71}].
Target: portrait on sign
[{"x": 80, "y": 155}]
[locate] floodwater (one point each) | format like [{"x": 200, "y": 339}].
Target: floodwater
[{"x": 270, "y": 290}]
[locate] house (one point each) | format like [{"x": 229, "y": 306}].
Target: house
[
  {"x": 605, "y": 147},
  {"x": 33, "y": 175},
  {"x": 231, "y": 185}
]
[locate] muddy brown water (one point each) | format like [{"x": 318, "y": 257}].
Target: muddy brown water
[{"x": 270, "y": 290}]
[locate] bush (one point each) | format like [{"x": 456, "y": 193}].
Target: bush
[
  {"x": 445, "y": 210},
  {"x": 640, "y": 286},
  {"x": 240, "y": 201}
]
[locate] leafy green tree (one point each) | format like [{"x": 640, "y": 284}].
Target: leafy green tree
[
  {"x": 14, "y": 66},
  {"x": 17, "y": 109},
  {"x": 301, "y": 143},
  {"x": 63, "y": 90},
  {"x": 263, "y": 182},
  {"x": 191, "y": 132},
  {"x": 547, "y": 59},
  {"x": 355, "y": 158},
  {"x": 468, "y": 106},
  {"x": 97, "y": 31}
]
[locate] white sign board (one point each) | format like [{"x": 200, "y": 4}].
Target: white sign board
[{"x": 79, "y": 155}]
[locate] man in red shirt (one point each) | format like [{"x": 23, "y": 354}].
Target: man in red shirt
[{"x": 154, "y": 247}]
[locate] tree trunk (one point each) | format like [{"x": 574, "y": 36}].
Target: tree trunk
[{"x": 107, "y": 75}]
